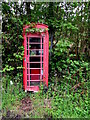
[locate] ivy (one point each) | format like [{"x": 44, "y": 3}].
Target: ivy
[
  {"x": 35, "y": 30},
  {"x": 8, "y": 68}
]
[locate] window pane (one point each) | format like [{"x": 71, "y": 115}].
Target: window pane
[
  {"x": 35, "y": 46},
  {"x": 36, "y": 83},
  {"x": 35, "y": 65},
  {"x": 34, "y": 59},
  {"x": 27, "y": 77},
  {"x": 42, "y": 39},
  {"x": 35, "y": 71},
  {"x": 27, "y": 42},
  {"x": 35, "y": 77},
  {"x": 27, "y": 65},
  {"x": 34, "y": 39},
  {"x": 27, "y": 83},
  {"x": 27, "y": 52},
  {"x": 27, "y": 71}
]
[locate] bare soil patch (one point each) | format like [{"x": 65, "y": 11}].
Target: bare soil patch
[{"x": 26, "y": 104}]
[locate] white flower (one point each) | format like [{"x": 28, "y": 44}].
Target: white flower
[{"x": 11, "y": 82}]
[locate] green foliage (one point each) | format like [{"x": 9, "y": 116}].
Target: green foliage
[
  {"x": 69, "y": 69},
  {"x": 12, "y": 91},
  {"x": 34, "y": 30},
  {"x": 8, "y": 68},
  {"x": 56, "y": 103},
  {"x": 67, "y": 66},
  {"x": 13, "y": 54},
  {"x": 69, "y": 106}
]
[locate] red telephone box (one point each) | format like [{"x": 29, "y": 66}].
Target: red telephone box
[{"x": 36, "y": 56}]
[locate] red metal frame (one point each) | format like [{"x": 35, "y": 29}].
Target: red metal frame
[{"x": 34, "y": 75}]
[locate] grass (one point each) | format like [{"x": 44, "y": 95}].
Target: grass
[{"x": 51, "y": 104}]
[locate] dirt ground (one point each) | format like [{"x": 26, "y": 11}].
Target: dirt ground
[
  {"x": 19, "y": 112},
  {"x": 27, "y": 108},
  {"x": 26, "y": 104}
]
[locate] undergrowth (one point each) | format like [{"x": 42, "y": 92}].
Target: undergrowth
[{"x": 56, "y": 102}]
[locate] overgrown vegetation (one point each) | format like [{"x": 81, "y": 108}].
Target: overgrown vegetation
[{"x": 67, "y": 95}]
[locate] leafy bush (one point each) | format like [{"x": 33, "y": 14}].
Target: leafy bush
[
  {"x": 69, "y": 63},
  {"x": 68, "y": 69}
]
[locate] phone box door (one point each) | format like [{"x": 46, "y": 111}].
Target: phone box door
[{"x": 36, "y": 53}]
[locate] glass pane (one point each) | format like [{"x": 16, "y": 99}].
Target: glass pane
[
  {"x": 42, "y": 52},
  {"x": 34, "y": 46},
  {"x": 27, "y": 46},
  {"x": 41, "y": 72},
  {"x": 34, "y": 52},
  {"x": 42, "y": 39},
  {"x": 27, "y": 71},
  {"x": 42, "y": 65},
  {"x": 27, "y": 42},
  {"x": 34, "y": 77},
  {"x": 27, "y": 52},
  {"x": 27, "y": 65},
  {"x": 35, "y": 83},
  {"x": 27, "y": 77},
  {"x": 35, "y": 71},
  {"x": 34, "y": 39},
  {"x": 34, "y": 59},
  {"x": 35, "y": 65},
  {"x": 27, "y": 83},
  {"x": 39, "y": 51}
]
